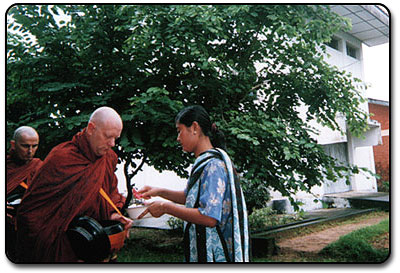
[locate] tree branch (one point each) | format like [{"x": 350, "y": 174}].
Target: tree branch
[{"x": 129, "y": 176}]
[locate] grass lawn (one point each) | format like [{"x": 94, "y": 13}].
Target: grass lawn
[
  {"x": 358, "y": 246},
  {"x": 152, "y": 246}
]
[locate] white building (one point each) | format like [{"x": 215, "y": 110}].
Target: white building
[{"x": 370, "y": 27}]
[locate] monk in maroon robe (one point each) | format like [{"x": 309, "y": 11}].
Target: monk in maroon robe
[
  {"x": 21, "y": 167},
  {"x": 17, "y": 173},
  {"x": 21, "y": 164},
  {"x": 67, "y": 186}
]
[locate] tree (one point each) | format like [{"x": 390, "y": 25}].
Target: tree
[{"x": 148, "y": 61}]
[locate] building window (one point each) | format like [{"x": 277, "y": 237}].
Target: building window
[
  {"x": 334, "y": 43},
  {"x": 352, "y": 51}
]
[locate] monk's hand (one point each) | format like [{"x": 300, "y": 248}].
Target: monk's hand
[
  {"x": 127, "y": 222},
  {"x": 156, "y": 209},
  {"x": 147, "y": 192}
]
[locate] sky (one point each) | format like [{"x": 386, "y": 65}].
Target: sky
[{"x": 376, "y": 71}]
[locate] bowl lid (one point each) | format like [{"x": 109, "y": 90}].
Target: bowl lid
[
  {"x": 112, "y": 226},
  {"x": 88, "y": 239},
  {"x": 14, "y": 196}
]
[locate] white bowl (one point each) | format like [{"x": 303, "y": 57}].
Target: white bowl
[{"x": 135, "y": 211}]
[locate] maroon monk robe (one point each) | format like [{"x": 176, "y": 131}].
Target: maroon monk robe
[
  {"x": 18, "y": 171},
  {"x": 67, "y": 186}
]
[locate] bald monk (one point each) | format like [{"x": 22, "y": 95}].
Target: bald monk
[
  {"x": 21, "y": 167},
  {"x": 21, "y": 164},
  {"x": 68, "y": 186}
]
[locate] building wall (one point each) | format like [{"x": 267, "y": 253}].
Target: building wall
[
  {"x": 380, "y": 113},
  {"x": 381, "y": 152},
  {"x": 359, "y": 155}
]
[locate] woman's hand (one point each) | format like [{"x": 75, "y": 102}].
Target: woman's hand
[
  {"x": 156, "y": 209},
  {"x": 147, "y": 192},
  {"x": 127, "y": 222}
]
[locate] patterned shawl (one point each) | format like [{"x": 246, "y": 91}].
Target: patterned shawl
[{"x": 200, "y": 241}]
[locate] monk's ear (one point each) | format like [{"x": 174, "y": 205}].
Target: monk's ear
[
  {"x": 90, "y": 128},
  {"x": 12, "y": 142}
]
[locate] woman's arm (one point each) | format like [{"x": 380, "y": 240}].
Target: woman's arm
[
  {"x": 178, "y": 197},
  {"x": 174, "y": 196},
  {"x": 193, "y": 215}
]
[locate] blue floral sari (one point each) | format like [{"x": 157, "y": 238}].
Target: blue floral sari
[{"x": 214, "y": 189}]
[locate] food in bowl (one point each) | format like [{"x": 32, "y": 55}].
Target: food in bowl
[{"x": 136, "y": 210}]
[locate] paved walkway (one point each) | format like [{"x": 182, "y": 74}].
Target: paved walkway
[{"x": 335, "y": 213}]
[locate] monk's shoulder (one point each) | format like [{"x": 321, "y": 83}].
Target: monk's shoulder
[
  {"x": 64, "y": 152},
  {"x": 37, "y": 161}
]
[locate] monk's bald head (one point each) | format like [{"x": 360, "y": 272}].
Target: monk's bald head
[
  {"x": 105, "y": 115},
  {"x": 104, "y": 127},
  {"x": 24, "y": 131},
  {"x": 24, "y": 143}
]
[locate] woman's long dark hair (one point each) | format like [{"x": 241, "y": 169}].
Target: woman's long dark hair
[{"x": 197, "y": 113}]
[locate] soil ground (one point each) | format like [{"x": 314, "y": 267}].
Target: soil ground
[{"x": 308, "y": 246}]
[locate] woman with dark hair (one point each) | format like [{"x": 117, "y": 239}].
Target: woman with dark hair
[{"x": 215, "y": 216}]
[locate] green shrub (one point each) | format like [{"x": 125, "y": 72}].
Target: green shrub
[
  {"x": 383, "y": 186},
  {"x": 267, "y": 217},
  {"x": 175, "y": 223},
  {"x": 257, "y": 194}
]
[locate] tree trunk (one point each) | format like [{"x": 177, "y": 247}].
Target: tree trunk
[{"x": 128, "y": 178}]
